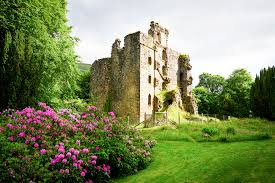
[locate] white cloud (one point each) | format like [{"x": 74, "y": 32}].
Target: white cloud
[{"x": 219, "y": 35}]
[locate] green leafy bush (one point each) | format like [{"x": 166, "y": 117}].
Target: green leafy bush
[
  {"x": 210, "y": 131},
  {"x": 47, "y": 146},
  {"x": 230, "y": 130}
]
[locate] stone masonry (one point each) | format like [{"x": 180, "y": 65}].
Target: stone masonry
[{"x": 134, "y": 74}]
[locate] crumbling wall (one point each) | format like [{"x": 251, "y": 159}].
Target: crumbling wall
[
  {"x": 126, "y": 79},
  {"x": 185, "y": 84},
  {"x": 136, "y": 73},
  {"x": 100, "y": 80}
]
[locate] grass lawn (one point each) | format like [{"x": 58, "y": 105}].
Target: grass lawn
[{"x": 186, "y": 158}]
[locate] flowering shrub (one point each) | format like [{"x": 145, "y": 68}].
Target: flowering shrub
[{"x": 49, "y": 146}]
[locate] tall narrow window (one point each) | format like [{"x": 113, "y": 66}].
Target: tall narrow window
[
  {"x": 164, "y": 54},
  {"x": 159, "y": 37},
  {"x": 149, "y": 79},
  {"x": 149, "y": 60},
  {"x": 149, "y": 99},
  {"x": 181, "y": 77}
]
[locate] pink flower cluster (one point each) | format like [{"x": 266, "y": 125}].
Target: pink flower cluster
[{"x": 61, "y": 138}]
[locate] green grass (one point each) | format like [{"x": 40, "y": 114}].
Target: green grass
[
  {"x": 245, "y": 130},
  {"x": 182, "y": 156}
]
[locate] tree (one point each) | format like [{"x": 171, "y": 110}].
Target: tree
[
  {"x": 263, "y": 94},
  {"x": 37, "y": 58},
  {"x": 204, "y": 100},
  {"x": 235, "y": 98},
  {"x": 214, "y": 83},
  {"x": 207, "y": 92}
]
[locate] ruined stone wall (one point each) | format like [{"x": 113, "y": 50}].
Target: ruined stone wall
[
  {"x": 140, "y": 70},
  {"x": 125, "y": 81},
  {"x": 100, "y": 80},
  {"x": 146, "y": 75}
]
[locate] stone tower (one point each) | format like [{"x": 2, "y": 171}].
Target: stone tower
[{"x": 135, "y": 73}]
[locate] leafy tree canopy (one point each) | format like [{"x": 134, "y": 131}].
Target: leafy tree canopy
[
  {"x": 214, "y": 83},
  {"x": 37, "y": 58}
]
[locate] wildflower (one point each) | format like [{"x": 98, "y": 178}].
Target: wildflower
[
  {"x": 24, "y": 126},
  {"x": 75, "y": 164},
  {"x": 82, "y": 174},
  {"x": 67, "y": 171},
  {"x": 85, "y": 150},
  {"x": 10, "y": 126},
  {"x": 118, "y": 158},
  {"x": 78, "y": 142},
  {"x": 33, "y": 139},
  {"x": 11, "y": 138},
  {"x": 36, "y": 145},
  {"x": 48, "y": 127},
  {"x": 21, "y": 135},
  {"x": 93, "y": 162},
  {"x": 61, "y": 156},
  {"x": 61, "y": 171},
  {"x": 73, "y": 157},
  {"x": 41, "y": 104},
  {"x": 106, "y": 119},
  {"x": 104, "y": 169},
  {"x": 61, "y": 150},
  {"x": 76, "y": 152},
  {"x": 110, "y": 135},
  {"x": 64, "y": 161},
  {"x": 94, "y": 157},
  {"x": 97, "y": 148},
  {"x": 69, "y": 154},
  {"x": 27, "y": 141},
  {"x": 53, "y": 162},
  {"x": 92, "y": 108},
  {"x": 43, "y": 151},
  {"x": 80, "y": 162},
  {"x": 71, "y": 150}
]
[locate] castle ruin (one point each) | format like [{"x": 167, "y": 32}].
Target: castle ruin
[{"x": 130, "y": 79}]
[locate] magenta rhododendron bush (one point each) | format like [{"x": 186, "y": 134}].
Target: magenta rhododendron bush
[{"x": 44, "y": 145}]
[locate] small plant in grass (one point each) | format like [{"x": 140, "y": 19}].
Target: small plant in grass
[
  {"x": 211, "y": 131},
  {"x": 230, "y": 130}
]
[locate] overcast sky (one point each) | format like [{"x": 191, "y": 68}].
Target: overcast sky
[{"x": 219, "y": 35}]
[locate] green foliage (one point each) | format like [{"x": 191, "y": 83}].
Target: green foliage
[
  {"x": 177, "y": 161},
  {"x": 210, "y": 131},
  {"x": 166, "y": 97},
  {"x": 214, "y": 83},
  {"x": 235, "y": 99},
  {"x": 207, "y": 93},
  {"x": 230, "y": 130},
  {"x": 231, "y": 97},
  {"x": 88, "y": 145},
  {"x": 184, "y": 57},
  {"x": 37, "y": 58},
  {"x": 263, "y": 94},
  {"x": 247, "y": 129},
  {"x": 108, "y": 103},
  {"x": 84, "y": 85},
  {"x": 205, "y": 100}
]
